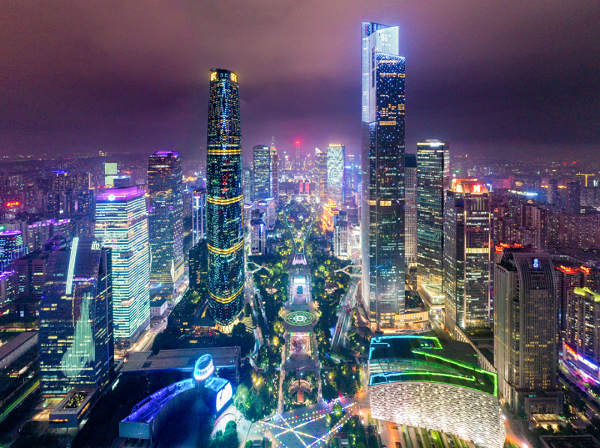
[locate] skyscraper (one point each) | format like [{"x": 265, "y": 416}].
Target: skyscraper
[
  {"x": 410, "y": 208},
  {"x": 261, "y": 158},
  {"x": 199, "y": 215},
  {"x": 122, "y": 225},
  {"x": 11, "y": 246},
  {"x": 225, "y": 236},
  {"x": 274, "y": 172},
  {"x": 340, "y": 236},
  {"x": 76, "y": 345},
  {"x": 165, "y": 221},
  {"x": 336, "y": 167},
  {"x": 111, "y": 169},
  {"x": 525, "y": 332},
  {"x": 467, "y": 255},
  {"x": 383, "y": 99},
  {"x": 433, "y": 173},
  {"x": 321, "y": 166}
]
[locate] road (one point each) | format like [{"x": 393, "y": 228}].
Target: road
[{"x": 344, "y": 321}]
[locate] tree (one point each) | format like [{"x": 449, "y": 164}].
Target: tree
[
  {"x": 247, "y": 310},
  {"x": 249, "y": 444}
]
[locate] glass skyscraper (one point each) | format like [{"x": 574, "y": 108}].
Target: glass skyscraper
[
  {"x": 383, "y": 99},
  {"x": 336, "y": 167},
  {"x": 165, "y": 221},
  {"x": 467, "y": 255},
  {"x": 76, "y": 346},
  {"x": 261, "y": 165},
  {"x": 122, "y": 225},
  {"x": 225, "y": 198},
  {"x": 433, "y": 179},
  {"x": 410, "y": 208},
  {"x": 321, "y": 166}
]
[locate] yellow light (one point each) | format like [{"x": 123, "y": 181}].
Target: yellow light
[
  {"x": 234, "y": 77},
  {"x": 213, "y": 76}
]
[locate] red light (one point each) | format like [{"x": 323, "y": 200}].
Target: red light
[
  {"x": 297, "y": 142},
  {"x": 13, "y": 204}
]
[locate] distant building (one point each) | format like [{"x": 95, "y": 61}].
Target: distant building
[
  {"x": 111, "y": 169},
  {"x": 341, "y": 236},
  {"x": 573, "y": 203},
  {"x": 274, "y": 173},
  {"x": 467, "y": 252},
  {"x": 248, "y": 184},
  {"x": 199, "y": 215},
  {"x": 525, "y": 332},
  {"x": 76, "y": 345},
  {"x": 433, "y": 174},
  {"x": 7, "y": 288},
  {"x": 382, "y": 209},
  {"x": 122, "y": 225},
  {"x": 225, "y": 197},
  {"x": 336, "y": 164},
  {"x": 268, "y": 207},
  {"x": 261, "y": 167},
  {"x": 165, "y": 222},
  {"x": 258, "y": 234},
  {"x": 198, "y": 266},
  {"x": 410, "y": 208},
  {"x": 321, "y": 167},
  {"x": 11, "y": 247}
]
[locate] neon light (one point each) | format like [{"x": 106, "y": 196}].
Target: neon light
[
  {"x": 13, "y": 204},
  {"x": 224, "y": 396},
  {"x": 72, "y": 266}
]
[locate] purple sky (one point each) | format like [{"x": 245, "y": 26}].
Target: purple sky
[{"x": 492, "y": 77}]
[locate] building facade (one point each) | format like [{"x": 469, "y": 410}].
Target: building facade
[
  {"x": 76, "y": 346},
  {"x": 199, "y": 215},
  {"x": 122, "y": 225},
  {"x": 467, "y": 252},
  {"x": 261, "y": 167},
  {"x": 382, "y": 220},
  {"x": 341, "y": 236},
  {"x": 410, "y": 208},
  {"x": 258, "y": 234},
  {"x": 525, "y": 332},
  {"x": 433, "y": 173},
  {"x": 11, "y": 247},
  {"x": 165, "y": 222},
  {"x": 321, "y": 168},
  {"x": 224, "y": 199},
  {"x": 336, "y": 167}
]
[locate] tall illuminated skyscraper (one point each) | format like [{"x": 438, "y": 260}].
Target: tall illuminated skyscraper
[
  {"x": 261, "y": 166},
  {"x": 382, "y": 227},
  {"x": 410, "y": 209},
  {"x": 336, "y": 167},
  {"x": 165, "y": 221},
  {"x": 433, "y": 174},
  {"x": 321, "y": 166},
  {"x": 467, "y": 255},
  {"x": 122, "y": 225},
  {"x": 76, "y": 346},
  {"x": 224, "y": 199},
  {"x": 274, "y": 172}
]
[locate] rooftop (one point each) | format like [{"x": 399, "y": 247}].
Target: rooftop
[
  {"x": 183, "y": 359},
  {"x": 585, "y": 441},
  {"x": 427, "y": 359}
]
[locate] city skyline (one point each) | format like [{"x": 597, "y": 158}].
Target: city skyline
[{"x": 138, "y": 90}]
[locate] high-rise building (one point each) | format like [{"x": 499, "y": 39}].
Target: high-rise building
[
  {"x": 433, "y": 174},
  {"x": 122, "y": 225},
  {"x": 11, "y": 247},
  {"x": 224, "y": 200},
  {"x": 336, "y": 164},
  {"x": 525, "y": 332},
  {"x": 258, "y": 234},
  {"x": 274, "y": 172},
  {"x": 248, "y": 184},
  {"x": 382, "y": 226},
  {"x": 76, "y": 345},
  {"x": 467, "y": 252},
  {"x": 198, "y": 266},
  {"x": 165, "y": 221},
  {"x": 321, "y": 166},
  {"x": 261, "y": 166},
  {"x": 341, "y": 236},
  {"x": 111, "y": 169},
  {"x": 199, "y": 215},
  {"x": 410, "y": 208},
  {"x": 573, "y": 203}
]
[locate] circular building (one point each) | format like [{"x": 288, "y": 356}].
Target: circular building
[{"x": 424, "y": 382}]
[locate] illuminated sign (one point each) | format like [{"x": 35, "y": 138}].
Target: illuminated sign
[
  {"x": 536, "y": 263},
  {"x": 224, "y": 396},
  {"x": 13, "y": 204},
  {"x": 111, "y": 197},
  {"x": 204, "y": 368}
]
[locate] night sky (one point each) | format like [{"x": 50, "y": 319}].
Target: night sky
[{"x": 492, "y": 77}]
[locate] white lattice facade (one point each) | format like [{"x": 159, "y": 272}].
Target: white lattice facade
[{"x": 465, "y": 413}]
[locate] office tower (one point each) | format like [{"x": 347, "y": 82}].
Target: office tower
[
  {"x": 225, "y": 235},
  {"x": 7, "y": 288},
  {"x": 111, "y": 169},
  {"x": 525, "y": 329},
  {"x": 433, "y": 174},
  {"x": 248, "y": 185},
  {"x": 553, "y": 193},
  {"x": 340, "y": 236},
  {"x": 65, "y": 191},
  {"x": 199, "y": 266},
  {"x": 11, "y": 247},
  {"x": 573, "y": 203},
  {"x": 261, "y": 165},
  {"x": 581, "y": 348},
  {"x": 199, "y": 215},
  {"x": 165, "y": 222},
  {"x": 467, "y": 255},
  {"x": 336, "y": 163},
  {"x": 30, "y": 277},
  {"x": 274, "y": 172},
  {"x": 122, "y": 225},
  {"x": 258, "y": 234},
  {"x": 321, "y": 166},
  {"x": 410, "y": 208},
  {"x": 121, "y": 181},
  {"x": 535, "y": 219},
  {"x": 76, "y": 346},
  {"x": 569, "y": 276},
  {"x": 382, "y": 226}
]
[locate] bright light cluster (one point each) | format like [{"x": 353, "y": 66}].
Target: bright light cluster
[{"x": 466, "y": 413}]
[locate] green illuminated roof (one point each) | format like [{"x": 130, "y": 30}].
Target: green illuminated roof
[{"x": 427, "y": 359}]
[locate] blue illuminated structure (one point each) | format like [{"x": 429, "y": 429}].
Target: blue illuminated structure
[{"x": 148, "y": 416}]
